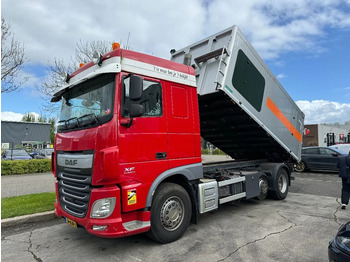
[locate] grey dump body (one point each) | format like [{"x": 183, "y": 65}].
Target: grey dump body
[{"x": 244, "y": 110}]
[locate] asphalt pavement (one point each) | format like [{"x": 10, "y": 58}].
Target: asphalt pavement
[
  {"x": 18, "y": 185},
  {"x": 295, "y": 229}
]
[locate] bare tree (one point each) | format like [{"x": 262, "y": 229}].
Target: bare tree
[
  {"x": 12, "y": 58},
  {"x": 58, "y": 70}
]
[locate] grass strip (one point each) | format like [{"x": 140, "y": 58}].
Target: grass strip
[{"x": 27, "y": 204}]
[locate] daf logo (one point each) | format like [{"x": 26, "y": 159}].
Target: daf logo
[{"x": 71, "y": 162}]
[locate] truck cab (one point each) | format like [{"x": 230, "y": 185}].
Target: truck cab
[{"x": 126, "y": 125}]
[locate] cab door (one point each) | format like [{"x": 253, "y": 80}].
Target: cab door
[{"x": 142, "y": 140}]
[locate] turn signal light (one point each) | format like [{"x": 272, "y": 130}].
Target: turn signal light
[{"x": 115, "y": 46}]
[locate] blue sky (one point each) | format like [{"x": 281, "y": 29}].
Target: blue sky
[{"x": 304, "y": 42}]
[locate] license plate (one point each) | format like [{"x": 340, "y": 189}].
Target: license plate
[{"x": 71, "y": 223}]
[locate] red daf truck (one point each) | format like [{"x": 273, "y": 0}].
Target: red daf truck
[{"x": 127, "y": 153}]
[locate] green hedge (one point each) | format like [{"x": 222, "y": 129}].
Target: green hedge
[{"x": 14, "y": 167}]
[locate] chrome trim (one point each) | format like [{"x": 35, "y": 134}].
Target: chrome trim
[
  {"x": 72, "y": 179},
  {"x": 73, "y": 187},
  {"x": 74, "y": 213},
  {"x": 73, "y": 204},
  {"x": 72, "y": 196}
]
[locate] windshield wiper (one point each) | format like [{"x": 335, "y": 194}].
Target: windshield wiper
[{"x": 89, "y": 115}]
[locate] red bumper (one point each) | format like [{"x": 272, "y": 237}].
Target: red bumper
[{"x": 117, "y": 224}]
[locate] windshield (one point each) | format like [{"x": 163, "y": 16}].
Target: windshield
[
  {"x": 16, "y": 152},
  {"x": 88, "y": 104}
]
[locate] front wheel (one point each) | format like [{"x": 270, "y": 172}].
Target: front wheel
[
  {"x": 300, "y": 167},
  {"x": 282, "y": 185},
  {"x": 170, "y": 213}
]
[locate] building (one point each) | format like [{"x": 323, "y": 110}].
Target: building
[
  {"x": 28, "y": 134},
  {"x": 326, "y": 135}
]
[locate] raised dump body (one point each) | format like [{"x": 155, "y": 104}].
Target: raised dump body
[{"x": 244, "y": 110}]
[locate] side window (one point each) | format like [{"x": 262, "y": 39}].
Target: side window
[
  {"x": 248, "y": 81},
  {"x": 325, "y": 151},
  {"x": 312, "y": 151},
  {"x": 151, "y": 99}
]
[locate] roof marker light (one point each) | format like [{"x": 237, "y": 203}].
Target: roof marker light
[
  {"x": 115, "y": 46},
  {"x": 81, "y": 65}
]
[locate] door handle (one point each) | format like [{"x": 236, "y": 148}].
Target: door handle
[{"x": 161, "y": 155}]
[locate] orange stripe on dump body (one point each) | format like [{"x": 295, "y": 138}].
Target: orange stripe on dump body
[{"x": 275, "y": 110}]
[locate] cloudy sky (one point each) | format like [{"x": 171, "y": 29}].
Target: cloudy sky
[{"x": 304, "y": 42}]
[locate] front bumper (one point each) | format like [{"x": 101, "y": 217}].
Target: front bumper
[{"x": 117, "y": 224}]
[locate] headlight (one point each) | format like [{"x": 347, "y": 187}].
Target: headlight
[
  {"x": 344, "y": 241},
  {"x": 103, "y": 208}
]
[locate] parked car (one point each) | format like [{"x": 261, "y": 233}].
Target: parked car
[
  {"x": 15, "y": 154},
  {"x": 343, "y": 147},
  {"x": 44, "y": 153},
  {"x": 339, "y": 246},
  {"x": 319, "y": 158}
]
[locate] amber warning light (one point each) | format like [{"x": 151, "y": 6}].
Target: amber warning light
[{"x": 115, "y": 46}]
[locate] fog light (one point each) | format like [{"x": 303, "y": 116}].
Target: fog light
[
  {"x": 99, "y": 228},
  {"x": 103, "y": 208}
]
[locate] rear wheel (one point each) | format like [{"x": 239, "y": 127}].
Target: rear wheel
[
  {"x": 264, "y": 188},
  {"x": 282, "y": 185},
  {"x": 170, "y": 213}
]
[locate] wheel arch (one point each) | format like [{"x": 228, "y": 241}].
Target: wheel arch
[
  {"x": 184, "y": 176},
  {"x": 271, "y": 170},
  {"x": 187, "y": 177}
]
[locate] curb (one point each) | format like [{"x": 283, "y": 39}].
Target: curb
[{"x": 38, "y": 217}]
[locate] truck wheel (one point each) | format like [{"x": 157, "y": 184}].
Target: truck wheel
[
  {"x": 170, "y": 213},
  {"x": 300, "y": 167},
  {"x": 282, "y": 185},
  {"x": 264, "y": 188}
]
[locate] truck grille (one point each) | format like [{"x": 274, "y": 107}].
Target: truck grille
[
  {"x": 74, "y": 175},
  {"x": 74, "y": 193}
]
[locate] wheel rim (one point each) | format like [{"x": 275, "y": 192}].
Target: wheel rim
[
  {"x": 172, "y": 213},
  {"x": 282, "y": 183},
  {"x": 263, "y": 186}
]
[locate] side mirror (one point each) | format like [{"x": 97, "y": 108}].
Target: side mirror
[
  {"x": 136, "y": 110},
  {"x": 136, "y": 88}
]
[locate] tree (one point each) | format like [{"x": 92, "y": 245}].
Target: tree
[
  {"x": 52, "y": 121},
  {"x": 59, "y": 69},
  {"x": 28, "y": 117},
  {"x": 12, "y": 58}
]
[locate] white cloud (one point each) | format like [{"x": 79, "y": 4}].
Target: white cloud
[
  {"x": 280, "y": 76},
  {"x": 12, "y": 116},
  {"x": 49, "y": 29},
  {"x": 321, "y": 111},
  {"x": 280, "y": 26}
]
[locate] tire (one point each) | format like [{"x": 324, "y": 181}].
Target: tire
[
  {"x": 282, "y": 183},
  {"x": 264, "y": 188},
  {"x": 170, "y": 213},
  {"x": 300, "y": 167}
]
